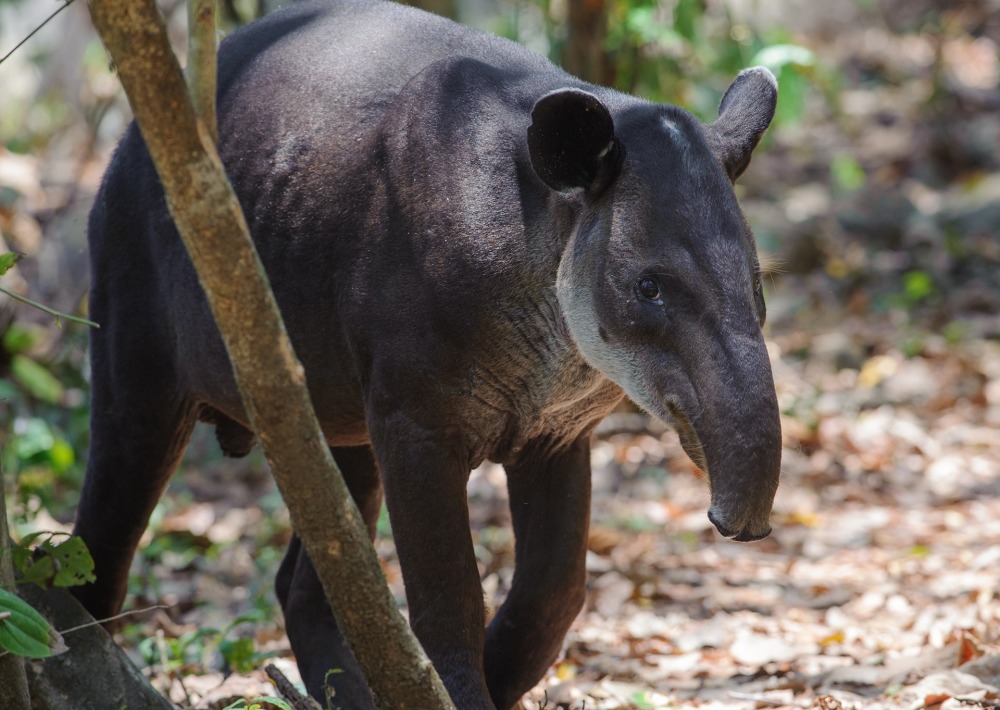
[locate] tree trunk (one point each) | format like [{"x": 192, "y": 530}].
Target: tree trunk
[
  {"x": 584, "y": 54},
  {"x": 94, "y": 674},
  {"x": 13, "y": 681},
  {"x": 445, "y": 8},
  {"x": 270, "y": 378}
]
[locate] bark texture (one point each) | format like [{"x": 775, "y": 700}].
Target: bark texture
[
  {"x": 270, "y": 378},
  {"x": 94, "y": 674},
  {"x": 201, "y": 62}
]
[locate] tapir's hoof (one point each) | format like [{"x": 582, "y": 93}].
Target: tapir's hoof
[{"x": 741, "y": 536}]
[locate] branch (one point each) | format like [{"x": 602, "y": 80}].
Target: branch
[
  {"x": 270, "y": 378},
  {"x": 32, "y": 33},
  {"x": 46, "y": 309},
  {"x": 201, "y": 62}
]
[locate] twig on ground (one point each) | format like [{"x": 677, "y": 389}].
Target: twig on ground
[{"x": 288, "y": 690}]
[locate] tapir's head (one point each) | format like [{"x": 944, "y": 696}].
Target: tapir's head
[{"x": 660, "y": 284}]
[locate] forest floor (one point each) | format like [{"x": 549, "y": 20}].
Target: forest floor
[
  {"x": 877, "y": 588},
  {"x": 878, "y": 220}
]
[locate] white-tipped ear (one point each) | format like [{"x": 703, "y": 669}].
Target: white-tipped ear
[{"x": 745, "y": 112}]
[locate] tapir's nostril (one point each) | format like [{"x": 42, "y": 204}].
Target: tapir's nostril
[{"x": 739, "y": 536}]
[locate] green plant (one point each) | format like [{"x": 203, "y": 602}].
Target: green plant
[
  {"x": 44, "y": 401},
  {"x": 24, "y": 631},
  {"x": 64, "y": 564},
  {"x": 190, "y": 652},
  {"x": 684, "y": 52},
  {"x": 53, "y": 564},
  {"x": 256, "y": 704}
]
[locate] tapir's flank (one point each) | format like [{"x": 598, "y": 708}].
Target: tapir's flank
[{"x": 476, "y": 256}]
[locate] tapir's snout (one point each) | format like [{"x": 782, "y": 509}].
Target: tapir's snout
[
  {"x": 743, "y": 471},
  {"x": 735, "y": 437}
]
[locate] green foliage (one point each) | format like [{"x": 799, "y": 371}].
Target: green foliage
[
  {"x": 256, "y": 704},
  {"x": 846, "y": 172},
  {"x": 24, "y": 631},
  {"x": 44, "y": 408},
  {"x": 682, "y": 52},
  {"x": 383, "y": 526},
  {"x": 53, "y": 564},
  {"x": 191, "y": 652},
  {"x": 918, "y": 286},
  {"x": 7, "y": 261},
  {"x": 793, "y": 66},
  {"x": 36, "y": 379}
]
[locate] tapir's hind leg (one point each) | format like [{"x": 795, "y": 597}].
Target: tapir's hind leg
[
  {"x": 139, "y": 428},
  {"x": 550, "y": 506},
  {"x": 318, "y": 645}
]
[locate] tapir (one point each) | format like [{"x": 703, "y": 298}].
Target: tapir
[{"x": 477, "y": 256}]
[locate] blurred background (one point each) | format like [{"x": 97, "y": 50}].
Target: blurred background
[{"x": 875, "y": 199}]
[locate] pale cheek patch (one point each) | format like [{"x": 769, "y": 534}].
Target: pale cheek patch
[{"x": 618, "y": 364}]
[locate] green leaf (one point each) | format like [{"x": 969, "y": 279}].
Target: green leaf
[
  {"x": 847, "y": 173},
  {"x": 239, "y": 654},
  {"x": 7, "y": 261},
  {"x": 24, "y": 631},
  {"x": 41, "y": 572},
  {"x": 686, "y": 16},
  {"x": 917, "y": 286},
  {"x": 778, "y": 56},
  {"x": 255, "y": 704},
  {"x": 794, "y": 86},
  {"x": 33, "y": 437},
  {"x": 21, "y": 552},
  {"x": 21, "y": 337},
  {"x": 36, "y": 379},
  {"x": 61, "y": 456},
  {"x": 74, "y": 564},
  {"x": 62, "y": 564}
]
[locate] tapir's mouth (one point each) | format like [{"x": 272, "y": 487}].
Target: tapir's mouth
[{"x": 689, "y": 438}]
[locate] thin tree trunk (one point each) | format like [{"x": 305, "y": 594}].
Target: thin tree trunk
[
  {"x": 13, "y": 680},
  {"x": 584, "y": 54},
  {"x": 201, "y": 62},
  {"x": 445, "y": 8},
  {"x": 270, "y": 378}
]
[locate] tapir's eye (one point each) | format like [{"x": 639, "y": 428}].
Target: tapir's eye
[{"x": 648, "y": 289}]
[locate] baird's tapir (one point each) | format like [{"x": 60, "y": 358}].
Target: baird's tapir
[{"x": 476, "y": 256}]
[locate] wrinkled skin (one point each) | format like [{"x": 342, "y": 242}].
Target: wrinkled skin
[{"x": 476, "y": 255}]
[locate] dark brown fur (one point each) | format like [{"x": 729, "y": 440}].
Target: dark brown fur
[{"x": 475, "y": 254}]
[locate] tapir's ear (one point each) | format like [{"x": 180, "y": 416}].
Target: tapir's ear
[
  {"x": 572, "y": 141},
  {"x": 745, "y": 112}
]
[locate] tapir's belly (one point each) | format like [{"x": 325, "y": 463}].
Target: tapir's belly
[{"x": 332, "y": 376}]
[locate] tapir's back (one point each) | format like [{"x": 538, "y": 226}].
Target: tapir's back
[
  {"x": 302, "y": 96},
  {"x": 331, "y": 69}
]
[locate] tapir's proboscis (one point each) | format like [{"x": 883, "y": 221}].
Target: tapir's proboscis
[{"x": 476, "y": 256}]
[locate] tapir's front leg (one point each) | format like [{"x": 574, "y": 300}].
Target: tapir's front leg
[
  {"x": 325, "y": 660},
  {"x": 550, "y": 506},
  {"x": 425, "y": 480}
]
